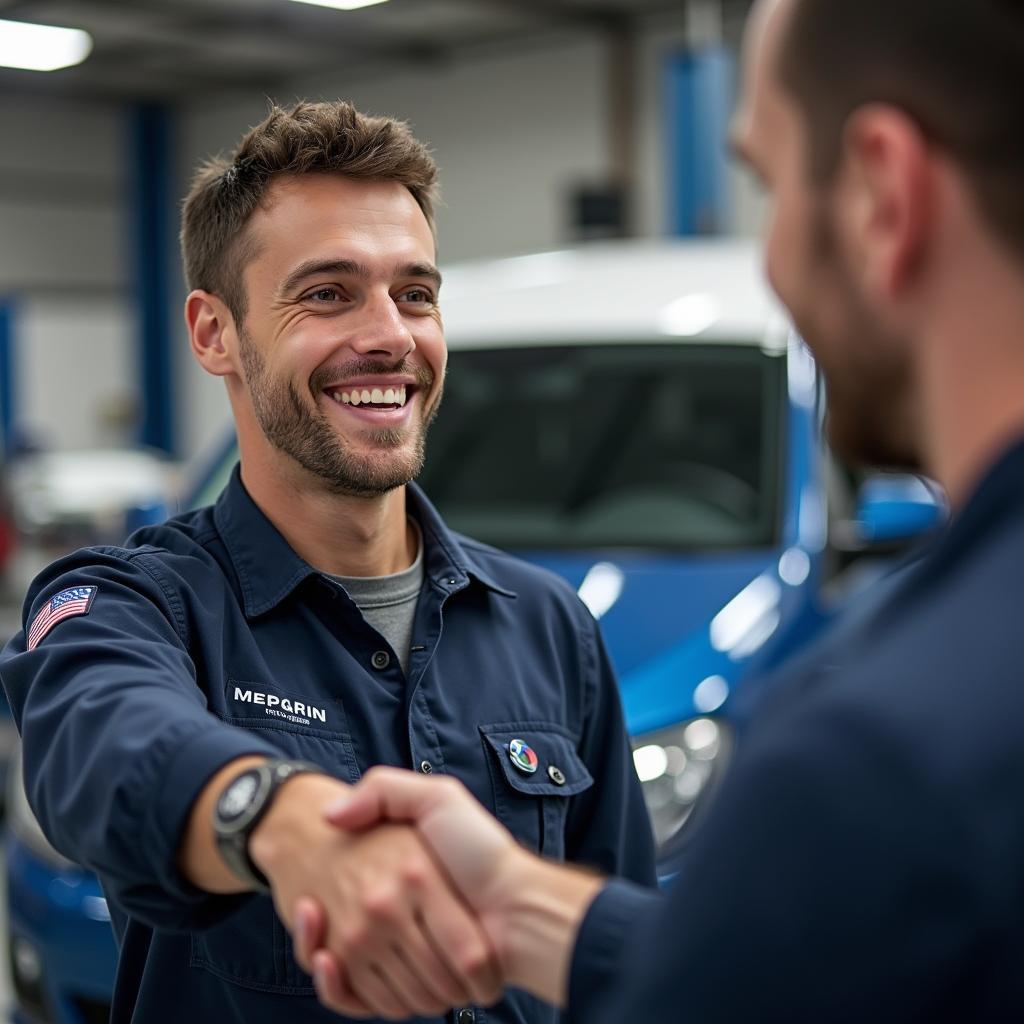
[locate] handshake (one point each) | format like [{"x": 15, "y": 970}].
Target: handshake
[{"x": 406, "y": 898}]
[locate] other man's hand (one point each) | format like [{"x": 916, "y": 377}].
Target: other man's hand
[
  {"x": 530, "y": 908},
  {"x": 407, "y": 943}
]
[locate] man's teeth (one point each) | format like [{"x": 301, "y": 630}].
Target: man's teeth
[{"x": 374, "y": 396}]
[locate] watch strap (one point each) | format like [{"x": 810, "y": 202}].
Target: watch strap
[{"x": 232, "y": 836}]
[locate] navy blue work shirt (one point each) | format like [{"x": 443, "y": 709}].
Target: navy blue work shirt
[
  {"x": 208, "y": 638},
  {"x": 864, "y": 859}
]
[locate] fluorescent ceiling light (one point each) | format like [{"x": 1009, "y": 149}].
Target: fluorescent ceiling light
[
  {"x": 342, "y": 5},
  {"x": 41, "y": 47}
]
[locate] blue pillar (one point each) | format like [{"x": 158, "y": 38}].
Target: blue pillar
[
  {"x": 700, "y": 88},
  {"x": 8, "y": 369},
  {"x": 152, "y": 230}
]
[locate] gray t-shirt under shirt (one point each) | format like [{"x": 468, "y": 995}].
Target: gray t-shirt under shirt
[{"x": 388, "y": 603}]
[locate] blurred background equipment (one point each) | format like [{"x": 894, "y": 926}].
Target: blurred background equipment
[
  {"x": 60, "y": 949},
  {"x": 65, "y": 500}
]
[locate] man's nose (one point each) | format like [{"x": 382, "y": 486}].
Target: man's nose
[{"x": 382, "y": 330}]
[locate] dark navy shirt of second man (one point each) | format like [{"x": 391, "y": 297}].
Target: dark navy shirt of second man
[
  {"x": 864, "y": 858},
  {"x": 142, "y": 670}
]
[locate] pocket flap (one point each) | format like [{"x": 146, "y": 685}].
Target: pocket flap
[{"x": 559, "y": 771}]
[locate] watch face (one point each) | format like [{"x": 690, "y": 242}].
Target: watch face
[{"x": 237, "y": 797}]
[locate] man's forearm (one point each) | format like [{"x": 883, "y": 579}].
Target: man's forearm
[
  {"x": 284, "y": 823},
  {"x": 198, "y": 857},
  {"x": 540, "y": 922}
]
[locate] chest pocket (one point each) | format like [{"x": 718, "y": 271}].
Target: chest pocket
[
  {"x": 318, "y": 732},
  {"x": 533, "y": 804}
]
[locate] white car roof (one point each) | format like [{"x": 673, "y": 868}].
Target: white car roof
[{"x": 670, "y": 291}]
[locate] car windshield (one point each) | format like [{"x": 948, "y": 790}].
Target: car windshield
[
  {"x": 605, "y": 446},
  {"x": 598, "y": 446}
]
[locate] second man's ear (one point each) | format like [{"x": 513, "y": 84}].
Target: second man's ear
[{"x": 889, "y": 192}]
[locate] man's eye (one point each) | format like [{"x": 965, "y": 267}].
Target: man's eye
[
  {"x": 418, "y": 295},
  {"x": 327, "y": 293}
]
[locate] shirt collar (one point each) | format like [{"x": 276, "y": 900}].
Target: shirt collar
[
  {"x": 998, "y": 495},
  {"x": 269, "y": 570},
  {"x": 997, "y": 498},
  {"x": 447, "y": 560}
]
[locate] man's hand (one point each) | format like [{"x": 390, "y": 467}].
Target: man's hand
[
  {"x": 407, "y": 943},
  {"x": 530, "y": 908},
  {"x": 479, "y": 854}
]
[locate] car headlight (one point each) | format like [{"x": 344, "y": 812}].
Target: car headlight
[
  {"x": 23, "y": 822},
  {"x": 678, "y": 767}
]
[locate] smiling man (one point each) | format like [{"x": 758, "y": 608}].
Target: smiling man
[{"x": 192, "y": 702}]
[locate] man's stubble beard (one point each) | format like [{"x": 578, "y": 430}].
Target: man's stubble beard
[
  {"x": 867, "y": 369},
  {"x": 310, "y": 439}
]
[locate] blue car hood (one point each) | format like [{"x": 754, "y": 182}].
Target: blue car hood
[{"x": 657, "y": 627}]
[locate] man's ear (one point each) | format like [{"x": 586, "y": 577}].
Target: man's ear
[
  {"x": 211, "y": 330},
  {"x": 887, "y": 197}
]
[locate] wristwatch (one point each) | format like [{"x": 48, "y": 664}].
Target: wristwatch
[{"x": 240, "y": 808}]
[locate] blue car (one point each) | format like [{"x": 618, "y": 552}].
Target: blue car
[{"x": 640, "y": 420}]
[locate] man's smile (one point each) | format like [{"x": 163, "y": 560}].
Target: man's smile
[
  {"x": 379, "y": 401},
  {"x": 374, "y": 396}
]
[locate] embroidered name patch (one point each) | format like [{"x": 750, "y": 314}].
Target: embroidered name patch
[
  {"x": 282, "y": 707},
  {"x": 65, "y": 605}
]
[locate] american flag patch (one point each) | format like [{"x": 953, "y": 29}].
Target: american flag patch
[{"x": 65, "y": 605}]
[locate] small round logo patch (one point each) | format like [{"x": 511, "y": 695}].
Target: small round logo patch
[{"x": 523, "y": 756}]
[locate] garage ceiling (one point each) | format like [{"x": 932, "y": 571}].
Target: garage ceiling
[{"x": 177, "y": 49}]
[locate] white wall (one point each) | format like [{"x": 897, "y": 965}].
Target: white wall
[
  {"x": 63, "y": 258},
  {"x": 511, "y": 133},
  {"x": 77, "y": 374},
  {"x": 61, "y": 190}
]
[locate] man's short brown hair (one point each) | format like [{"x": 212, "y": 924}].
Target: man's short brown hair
[
  {"x": 955, "y": 66},
  {"x": 310, "y": 138}
]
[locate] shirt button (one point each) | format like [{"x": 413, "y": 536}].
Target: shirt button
[
  {"x": 426, "y": 767},
  {"x": 556, "y": 775},
  {"x": 465, "y": 1016},
  {"x": 380, "y": 660}
]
